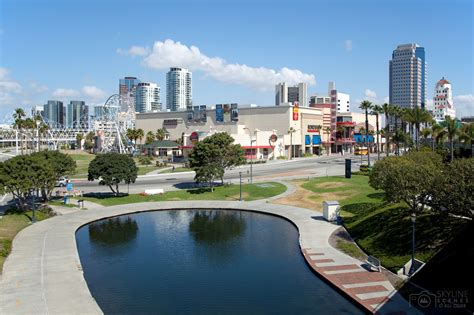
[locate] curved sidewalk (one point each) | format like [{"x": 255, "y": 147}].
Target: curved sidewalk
[{"x": 43, "y": 274}]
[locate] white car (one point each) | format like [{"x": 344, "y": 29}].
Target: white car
[{"x": 61, "y": 182}]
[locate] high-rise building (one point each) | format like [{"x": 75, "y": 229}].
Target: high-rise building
[
  {"x": 291, "y": 94},
  {"x": 147, "y": 98},
  {"x": 127, "y": 88},
  {"x": 54, "y": 114},
  {"x": 443, "y": 101},
  {"x": 407, "y": 81},
  {"x": 77, "y": 115},
  {"x": 178, "y": 89}
]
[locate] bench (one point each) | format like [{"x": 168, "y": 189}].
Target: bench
[{"x": 373, "y": 263}]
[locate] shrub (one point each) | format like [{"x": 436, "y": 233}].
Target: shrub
[
  {"x": 144, "y": 160},
  {"x": 281, "y": 157}
]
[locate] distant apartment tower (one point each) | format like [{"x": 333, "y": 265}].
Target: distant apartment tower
[
  {"x": 407, "y": 78},
  {"x": 127, "y": 88},
  {"x": 54, "y": 114},
  {"x": 147, "y": 98},
  {"x": 291, "y": 94},
  {"x": 77, "y": 115},
  {"x": 443, "y": 101},
  {"x": 178, "y": 89}
]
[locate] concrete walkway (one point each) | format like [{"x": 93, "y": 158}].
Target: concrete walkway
[{"x": 43, "y": 274}]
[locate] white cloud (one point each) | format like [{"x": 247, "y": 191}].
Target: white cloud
[
  {"x": 371, "y": 95},
  {"x": 93, "y": 92},
  {"x": 134, "y": 51},
  {"x": 38, "y": 88},
  {"x": 464, "y": 105},
  {"x": 348, "y": 44},
  {"x": 7, "y": 84},
  {"x": 65, "y": 93},
  {"x": 174, "y": 54}
]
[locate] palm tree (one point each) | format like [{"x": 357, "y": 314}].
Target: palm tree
[
  {"x": 467, "y": 135},
  {"x": 451, "y": 130},
  {"x": 425, "y": 133},
  {"x": 366, "y": 106},
  {"x": 150, "y": 137},
  {"x": 417, "y": 116},
  {"x": 377, "y": 110},
  {"x": 436, "y": 132},
  {"x": 399, "y": 136},
  {"x": 19, "y": 123},
  {"x": 290, "y": 132},
  {"x": 161, "y": 134},
  {"x": 387, "y": 109},
  {"x": 328, "y": 131},
  {"x": 140, "y": 134}
]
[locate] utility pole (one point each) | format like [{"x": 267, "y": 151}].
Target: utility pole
[{"x": 240, "y": 182}]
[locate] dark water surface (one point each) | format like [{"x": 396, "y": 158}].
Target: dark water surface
[{"x": 202, "y": 262}]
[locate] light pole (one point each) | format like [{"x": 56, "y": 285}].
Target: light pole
[
  {"x": 37, "y": 136},
  {"x": 291, "y": 131},
  {"x": 251, "y": 152},
  {"x": 412, "y": 267},
  {"x": 240, "y": 184}
]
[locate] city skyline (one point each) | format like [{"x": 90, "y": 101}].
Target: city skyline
[{"x": 229, "y": 61}]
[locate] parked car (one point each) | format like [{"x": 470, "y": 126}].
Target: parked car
[{"x": 61, "y": 182}]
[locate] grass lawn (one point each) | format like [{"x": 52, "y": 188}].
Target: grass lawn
[
  {"x": 379, "y": 228},
  {"x": 231, "y": 192},
  {"x": 177, "y": 170},
  {"x": 143, "y": 169},
  {"x": 10, "y": 225}
]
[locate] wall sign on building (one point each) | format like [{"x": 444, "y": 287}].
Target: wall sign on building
[
  {"x": 273, "y": 138},
  {"x": 194, "y": 137},
  {"x": 313, "y": 128},
  {"x": 295, "y": 111}
]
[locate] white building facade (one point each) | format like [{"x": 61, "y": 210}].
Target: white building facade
[
  {"x": 147, "y": 98},
  {"x": 178, "y": 89},
  {"x": 443, "y": 101}
]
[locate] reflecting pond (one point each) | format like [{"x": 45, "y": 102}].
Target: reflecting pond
[{"x": 202, "y": 262}]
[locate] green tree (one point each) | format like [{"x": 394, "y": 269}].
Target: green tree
[
  {"x": 79, "y": 138},
  {"x": 387, "y": 110},
  {"x": 467, "y": 135},
  {"x": 89, "y": 143},
  {"x": 407, "y": 178},
  {"x": 19, "y": 124},
  {"x": 416, "y": 117},
  {"x": 140, "y": 134},
  {"x": 161, "y": 134},
  {"x": 377, "y": 110},
  {"x": 22, "y": 175},
  {"x": 451, "y": 131},
  {"x": 212, "y": 156},
  {"x": 366, "y": 106},
  {"x": 112, "y": 169},
  {"x": 436, "y": 133},
  {"x": 454, "y": 188},
  {"x": 62, "y": 164},
  {"x": 150, "y": 137}
]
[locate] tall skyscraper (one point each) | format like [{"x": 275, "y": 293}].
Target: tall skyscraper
[
  {"x": 443, "y": 101},
  {"x": 291, "y": 94},
  {"x": 127, "y": 88},
  {"x": 77, "y": 115},
  {"x": 178, "y": 89},
  {"x": 147, "y": 98},
  {"x": 407, "y": 82},
  {"x": 54, "y": 114}
]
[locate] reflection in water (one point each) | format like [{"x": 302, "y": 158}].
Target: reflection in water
[
  {"x": 212, "y": 227},
  {"x": 113, "y": 231}
]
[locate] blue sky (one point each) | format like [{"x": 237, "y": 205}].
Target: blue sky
[{"x": 79, "y": 49}]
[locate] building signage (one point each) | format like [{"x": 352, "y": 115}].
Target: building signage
[
  {"x": 313, "y": 128},
  {"x": 194, "y": 137},
  {"x": 295, "y": 111},
  {"x": 226, "y": 113},
  {"x": 170, "y": 122},
  {"x": 273, "y": 138},
  {"x": 197, "y": 114}
]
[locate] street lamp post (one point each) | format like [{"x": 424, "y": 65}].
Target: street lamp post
[
  {"x": 240, "y": 184},
  {"x": 37, "y": 136},
  {"x": 251, "y": 152},
  {"x": 412, "y": 267}
]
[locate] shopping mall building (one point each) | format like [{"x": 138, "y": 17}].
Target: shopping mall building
[{"x": 265, "y": 132}]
